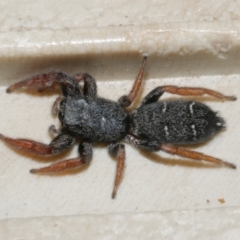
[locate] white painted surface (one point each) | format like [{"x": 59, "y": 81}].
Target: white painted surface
[
  {"x": 182, "y": 224},
  {"x": 188, "y": 44}
]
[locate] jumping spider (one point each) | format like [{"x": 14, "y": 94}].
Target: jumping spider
[{"x": 153, "y": 126}]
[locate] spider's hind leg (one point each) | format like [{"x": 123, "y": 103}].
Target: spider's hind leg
[
  {"x": 156, "y": 93},
  {"x": 179, "y": 151},
  {"x": 182, "y": 152}
]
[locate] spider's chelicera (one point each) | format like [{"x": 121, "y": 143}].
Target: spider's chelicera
[{"x": 154, "y": 126}]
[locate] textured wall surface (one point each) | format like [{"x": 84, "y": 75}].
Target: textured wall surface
[{"x": 160, "y": 196}]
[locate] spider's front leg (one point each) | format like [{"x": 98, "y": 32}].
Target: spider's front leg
[
  {"x": 85, "y": 152},
  {"x": 59, "y": 144},
  {"x": 47, "y": 80},
  {"x": 179, "y": 151}
]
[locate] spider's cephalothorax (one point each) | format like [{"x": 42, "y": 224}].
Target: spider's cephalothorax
[
  {"x": 89, "y": 118},
  {"x": 153, "y": 126}
]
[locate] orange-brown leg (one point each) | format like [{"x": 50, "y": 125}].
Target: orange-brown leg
[
  {"x": 193, "y": 155},
  {"x": 119, "y": 151},
  {"x": 58, "y": 144},
  {"x": 60, "y": 166},
  {"x": 126, "y": 101},
  {"x": 155, "y": 146},
  {"x": 194, "y": 91},
  {"x": 47, "y": 80},
  {"x": 156, "y": 93},
  {"x": 85, "y": 150}
]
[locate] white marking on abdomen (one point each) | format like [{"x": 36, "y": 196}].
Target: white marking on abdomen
[
  {"x": 191, "y": 108},
  {"x": 103, "y": 121},
  {"x": 166, "y": 130},
  {"x": 164, "y": 107},
  {"x": 194, "y": 130}
]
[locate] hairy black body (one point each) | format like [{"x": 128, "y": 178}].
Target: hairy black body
[
  {"x": 175, "y": 122},
  {"x": 97, "y": 119},
  {"x": 154, "y": 126}
]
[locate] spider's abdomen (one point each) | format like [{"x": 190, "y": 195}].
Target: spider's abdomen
[
  {"x": 99, "y": 120},
  {"x": 176, "y": 122}
]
